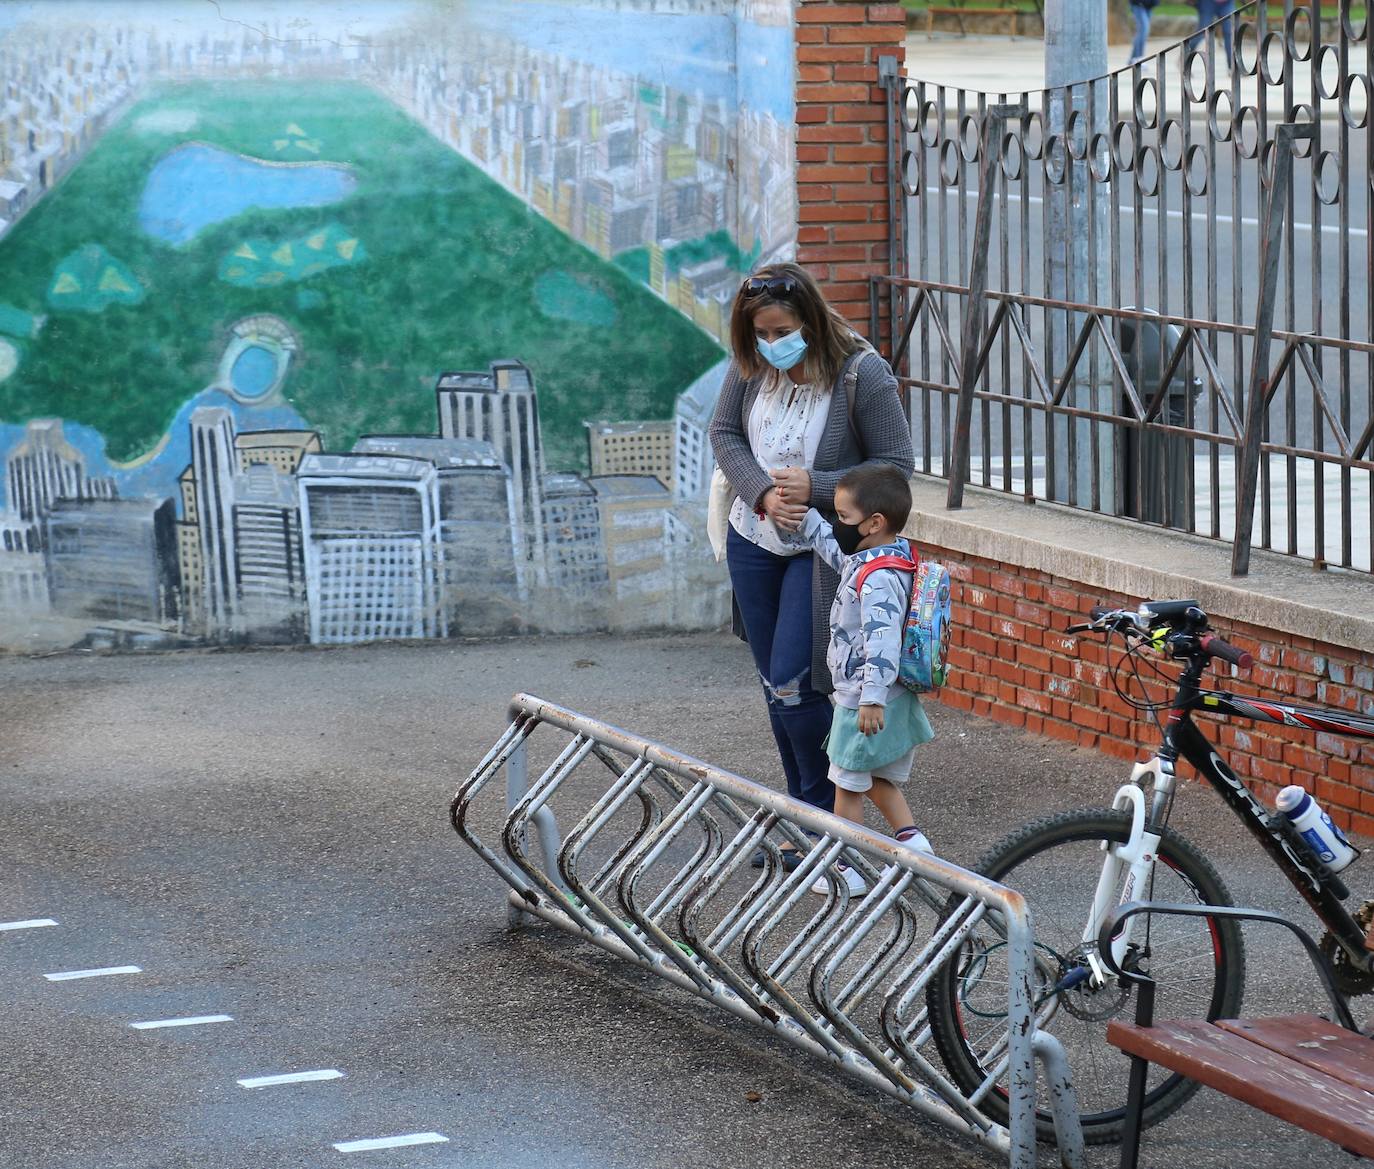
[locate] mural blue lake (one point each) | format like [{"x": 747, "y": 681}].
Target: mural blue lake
[{"x": 195, "y": 186}]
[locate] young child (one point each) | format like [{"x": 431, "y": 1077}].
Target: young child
[{"x": 877, "y": 724}]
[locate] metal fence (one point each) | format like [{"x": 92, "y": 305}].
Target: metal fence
[
  {"x": 1169, "y": 270},
  {"x": 656, "y": 869}
]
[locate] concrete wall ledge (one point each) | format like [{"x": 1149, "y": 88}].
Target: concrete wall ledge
[{"x": 1143, "y": 562}]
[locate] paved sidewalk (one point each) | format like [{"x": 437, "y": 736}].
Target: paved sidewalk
[{"x": 269, "y": 827}]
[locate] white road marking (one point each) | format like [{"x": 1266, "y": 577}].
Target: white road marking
[
  {"x": 414, "y": 1138},
  {"x": 67, "y": 975},
  {"x": 189, "y": 1021},
  {"x": 32, "y": 924},
  {"x": 291, "y": 1078}
]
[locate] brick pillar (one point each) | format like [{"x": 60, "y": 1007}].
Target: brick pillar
[{"x": 843, "y": 224}]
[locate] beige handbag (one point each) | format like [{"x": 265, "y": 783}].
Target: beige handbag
[{"x": 719, "y": 500}]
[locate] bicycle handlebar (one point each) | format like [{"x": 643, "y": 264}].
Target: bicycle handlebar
[
  {"x": 1217, "y": 648},
  {"x": 1185, "y": 618}
]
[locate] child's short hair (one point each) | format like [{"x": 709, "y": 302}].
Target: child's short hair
[{"x": 879, "y": 489}]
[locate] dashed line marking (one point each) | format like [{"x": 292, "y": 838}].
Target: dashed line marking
[
  {"x": 31, "y": 924},
  {"x": 414, "y": 1138},
  {"x": 291, "y": 1078},
  {"x": 68, "y": 975},
  {"x": 189, "y": 1021}
]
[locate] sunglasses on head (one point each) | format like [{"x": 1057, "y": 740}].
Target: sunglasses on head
[{"x": 773, "y": 285}]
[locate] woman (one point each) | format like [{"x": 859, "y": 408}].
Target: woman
[{"x": 784, "y": 432}]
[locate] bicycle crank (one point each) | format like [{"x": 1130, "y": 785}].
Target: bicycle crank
[{"x": 1351, "y": 979}]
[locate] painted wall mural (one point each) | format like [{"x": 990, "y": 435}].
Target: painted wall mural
[{"x": 358, "y": 320}]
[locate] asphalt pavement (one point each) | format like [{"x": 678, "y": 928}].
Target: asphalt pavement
[{"x": 264, "y": 836}]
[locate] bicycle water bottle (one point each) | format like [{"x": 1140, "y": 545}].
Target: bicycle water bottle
[{"x": 1315, "y": 827}]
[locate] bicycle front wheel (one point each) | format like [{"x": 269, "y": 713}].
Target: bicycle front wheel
[{"x": 1197, "y": 963}]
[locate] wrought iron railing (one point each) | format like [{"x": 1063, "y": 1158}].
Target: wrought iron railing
[{"x": 1169, "y": 267}]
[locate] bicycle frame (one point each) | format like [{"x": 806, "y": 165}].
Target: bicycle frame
[{"x": 1321, "y": 889}]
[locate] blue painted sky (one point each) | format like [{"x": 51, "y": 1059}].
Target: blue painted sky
[{"x": 692, "y": 53}]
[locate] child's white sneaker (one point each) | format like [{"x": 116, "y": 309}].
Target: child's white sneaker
[
  {"x": 917, "y": 842},
  {"x": 850, "y": 876}
]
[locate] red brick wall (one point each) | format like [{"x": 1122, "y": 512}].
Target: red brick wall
[
  {"x": 842, "y": 233},
  {"x": 1011, "y": 661}
]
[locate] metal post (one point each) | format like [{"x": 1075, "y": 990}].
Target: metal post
[
  {"x": 1257, "y": 395},
  {"x": 517, "y": 784},
  {"x": 970, "y": 349},
  {"x": 1077, "y": 222},
  {"x": 891, "y": 81}
]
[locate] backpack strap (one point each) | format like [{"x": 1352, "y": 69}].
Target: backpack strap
[{"x": 900, "y": 563}]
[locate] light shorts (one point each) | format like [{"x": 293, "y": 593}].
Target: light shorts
[{"x": 898, "y": 772}]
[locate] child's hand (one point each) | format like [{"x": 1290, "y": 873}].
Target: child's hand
[{"x": 870, "y": 718}]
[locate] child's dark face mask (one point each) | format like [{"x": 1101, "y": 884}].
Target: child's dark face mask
[{"x": 848, "y": 536}]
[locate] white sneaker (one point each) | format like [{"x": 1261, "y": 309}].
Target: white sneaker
[
  {"x": 849, "y": 875},
  {"x": 917, "y": 842}
]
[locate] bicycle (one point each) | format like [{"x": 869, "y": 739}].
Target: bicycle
[{"x": 1197, "y": 962}]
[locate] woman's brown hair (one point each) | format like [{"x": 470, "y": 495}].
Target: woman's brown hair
[{"x": 829, "y": 337}]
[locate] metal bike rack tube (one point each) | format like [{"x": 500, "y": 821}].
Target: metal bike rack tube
[{"x": 842, "y": 976}]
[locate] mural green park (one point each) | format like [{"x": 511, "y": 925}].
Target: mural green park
[{"x": 424, "y": 265}]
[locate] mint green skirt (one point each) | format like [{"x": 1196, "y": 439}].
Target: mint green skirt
[{"x": 904, "y": 726}]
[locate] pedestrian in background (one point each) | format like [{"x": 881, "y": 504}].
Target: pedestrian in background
[
  {"x": 1140, "y": 10},
  {"x": 1208, "y": 13},
  {"x": 783, "y": 433}
]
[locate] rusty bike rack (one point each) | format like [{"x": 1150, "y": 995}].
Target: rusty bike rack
[{"x": 845, "y": 981}]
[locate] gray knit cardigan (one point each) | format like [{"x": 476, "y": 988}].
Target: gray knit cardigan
[{"x": 880, "y": 434}]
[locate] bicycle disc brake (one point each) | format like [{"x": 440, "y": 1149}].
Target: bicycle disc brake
[
  {"x": 1090, "y": 1004},
  {"x": 1350, "y": 979}
]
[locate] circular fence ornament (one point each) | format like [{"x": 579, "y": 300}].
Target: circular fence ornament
[
  {"x": 1013, "y": 157},
  {"x": 1219, "y": 118},
  {"x": 912, "y": 162},
  {"x": 1355, "y": 101},
  {"x": 1124, "y": 143},
  {"x": 911, "y": 110},
  {"x": 1353, "y": 31},
  {"x": 1195, "y": 75},
  {"x": 930, "y": 124},
  {"x": 1195, "y": 171},
  {"x": 1033, "y": 137},
  {"x": 1326, "y": 178},
  {"x": 1303, "y": 115},
  {"x": 1247, "y": 49},
  {"x": 970, "y": 138},
  {"x": 1299, "y": 34},
  {"x": 1077, "y": 135},
  {"x": 1329, "y": 72},
  {"x": 1056, "y": 159},
  {"x": 1147, "y": 171},
  {"x": 950, "y": 166},
  {"x": 1247, "y": 131},
  {"x": 1147, "y": 103},
  {"x": 1273, "y": 59},
  {"x": 1171, "y": 145},
  {"x": 1100, "y": 158}
]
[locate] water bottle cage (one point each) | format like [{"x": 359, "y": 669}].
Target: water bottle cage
[{"x": 1309, "y": 857}]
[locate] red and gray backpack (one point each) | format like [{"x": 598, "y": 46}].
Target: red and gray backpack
[{"x": 922, "y": 666}]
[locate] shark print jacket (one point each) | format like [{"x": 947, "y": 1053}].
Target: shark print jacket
[{"x": 865, "y": 631}]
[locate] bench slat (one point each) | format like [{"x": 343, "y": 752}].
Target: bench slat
[
  {"x": 1313, "y": 1041},
  {"x": 1232, "y": 1064}
]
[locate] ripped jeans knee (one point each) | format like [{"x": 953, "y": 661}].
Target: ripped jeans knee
[{"x": 788, "y": 693}]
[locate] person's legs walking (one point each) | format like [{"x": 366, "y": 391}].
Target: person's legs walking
[
  {"x": 1142, "y": 32},
  {"x": 774, "y": 598},
  {"x": 801, "y": 710}
]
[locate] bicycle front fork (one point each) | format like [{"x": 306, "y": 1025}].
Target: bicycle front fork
[{"x": 1126, "y": 867}]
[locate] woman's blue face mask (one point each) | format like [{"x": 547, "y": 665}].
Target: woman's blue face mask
[{"x": 783, "y": 353}]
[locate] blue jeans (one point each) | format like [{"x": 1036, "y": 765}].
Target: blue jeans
[
  {"x": 774, "y": 598},
  {"x": 1209, "y": 12},
  {"x": 1142, "y": 30}
]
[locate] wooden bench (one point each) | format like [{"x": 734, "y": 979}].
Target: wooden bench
[
  {"x": 1306, "y": 1070},
  {"x": 959, "y": 11}
]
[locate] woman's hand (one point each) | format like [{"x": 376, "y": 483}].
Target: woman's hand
[
  {"x": 793, "y": 484},
  {"x": 786, "y": 515}
]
